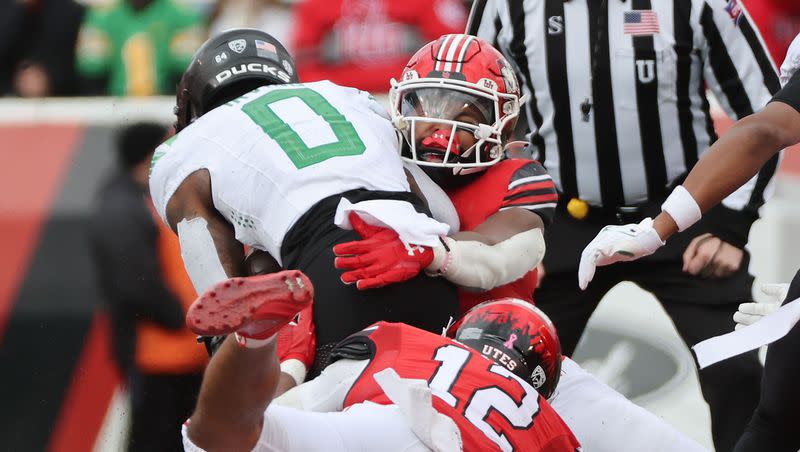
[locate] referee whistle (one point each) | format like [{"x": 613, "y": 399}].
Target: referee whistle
[
  {"x": 578, "y": 208},
  {"x": 586, "y": 108}
]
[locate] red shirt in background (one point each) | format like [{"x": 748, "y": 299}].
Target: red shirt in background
[
  {"x": 364, "y": 43},
  {"x": 779, "y": 23}
]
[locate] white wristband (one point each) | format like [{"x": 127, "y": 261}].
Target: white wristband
[
  {"x": 249, "y": 342},
  {"x": 295, "y": 369},
  {"x": 682, "y": 207}
]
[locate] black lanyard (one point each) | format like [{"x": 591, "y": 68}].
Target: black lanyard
[{"x": 602, "y": 27}]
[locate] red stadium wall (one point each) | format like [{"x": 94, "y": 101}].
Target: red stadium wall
[{"x": 57, "y": 378}]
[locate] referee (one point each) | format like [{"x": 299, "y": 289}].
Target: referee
[
  {"x": 728, "y": 164},
  {"x": 619, "y": 115}
]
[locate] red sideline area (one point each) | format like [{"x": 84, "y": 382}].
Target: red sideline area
[
  {"x": 89, "y": 396},
  {"x": 35, "y": 160},
  {"x": 791, "y": 161},
  {"x": 790, "y": 165}
]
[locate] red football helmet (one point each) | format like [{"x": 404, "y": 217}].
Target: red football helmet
[
  {"x": 445, "y": 78},
  {"x": 516, "y": 335}
]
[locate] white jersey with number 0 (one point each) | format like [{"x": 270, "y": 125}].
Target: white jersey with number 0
[{"x": 276, "y": 151}]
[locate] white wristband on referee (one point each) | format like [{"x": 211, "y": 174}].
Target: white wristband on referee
[{"x": 682, "y": 207}]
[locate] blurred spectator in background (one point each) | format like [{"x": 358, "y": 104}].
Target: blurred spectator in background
[
  {"x": 136, "y": 47},
  {"x": 271, "y": 16},
  {"x": 146, "y": 293},
  {"x": 779, "y": 22},
  {"x": 37, "y": 47},
  {"x": 361, "y": 43}
]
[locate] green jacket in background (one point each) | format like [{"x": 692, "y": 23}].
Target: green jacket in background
[{"x": 141, "y": 52}]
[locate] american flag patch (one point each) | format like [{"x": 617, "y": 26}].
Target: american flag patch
[
  {"x": 641, "y": 23},
  {"x": 265, "y": 49},
  {"x": 734, "y": 10}
]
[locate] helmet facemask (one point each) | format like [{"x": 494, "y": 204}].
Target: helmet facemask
[{"x": 443, "y": 102}]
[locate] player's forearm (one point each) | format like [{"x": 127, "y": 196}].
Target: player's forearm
[
  {"x": 502, "y": 249},
  {"x": 730, "y": 163},
  {"x": 210, "y": 251},
  {"x": 238, "y": 385},
  {"x": 476, "y": 265},
  {"x": 208, "y": 242},
  {"x": 501, "y": 226}
]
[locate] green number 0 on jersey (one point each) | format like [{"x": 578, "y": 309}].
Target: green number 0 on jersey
[{"x": 348, "y": 141}]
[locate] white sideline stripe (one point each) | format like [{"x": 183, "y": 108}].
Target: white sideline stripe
[
  {"x": 100, "y": 111},
  {"x": 94, "y": 110}
]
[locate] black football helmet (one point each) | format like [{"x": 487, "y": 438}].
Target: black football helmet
[
  {"x": 228, "y": 66},
  {"x": 517, "y": 335}
]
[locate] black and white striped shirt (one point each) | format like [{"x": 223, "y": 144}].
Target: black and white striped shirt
[{"x": 621, "y": 132}]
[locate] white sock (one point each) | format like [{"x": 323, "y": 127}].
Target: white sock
[{"x": 249, "y": 342}]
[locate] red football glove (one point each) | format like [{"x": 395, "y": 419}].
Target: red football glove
[
  {"x": 297, "y": 340},
  {"x": 380, "y": 258}
]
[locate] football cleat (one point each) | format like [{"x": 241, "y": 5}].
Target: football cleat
[{"x": 255, "y": 307}]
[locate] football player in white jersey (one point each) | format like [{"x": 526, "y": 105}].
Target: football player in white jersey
[{"x": 263, "y": 161}]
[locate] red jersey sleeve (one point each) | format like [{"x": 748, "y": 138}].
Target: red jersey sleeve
[{"x": 531, "y": 187}]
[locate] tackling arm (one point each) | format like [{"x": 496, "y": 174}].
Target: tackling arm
[
  {"x": 502, "y": 249},
  {"x": 506, "y": 246},
  {"x": 502, "y": 226},
  {"x": 509, "y": 242}
]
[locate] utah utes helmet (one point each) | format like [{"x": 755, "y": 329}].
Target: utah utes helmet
[
  {"x": 445, "y": 77},
  {"x": 517, "y": 335},
  {"x": 228, "y": 66}
]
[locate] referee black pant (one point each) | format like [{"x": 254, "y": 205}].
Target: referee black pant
[{"x": 700, "y": 308}]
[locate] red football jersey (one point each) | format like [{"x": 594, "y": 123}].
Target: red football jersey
[
  {"x": 511, "y": 183},
  {"x": 493, "y": 408}
]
